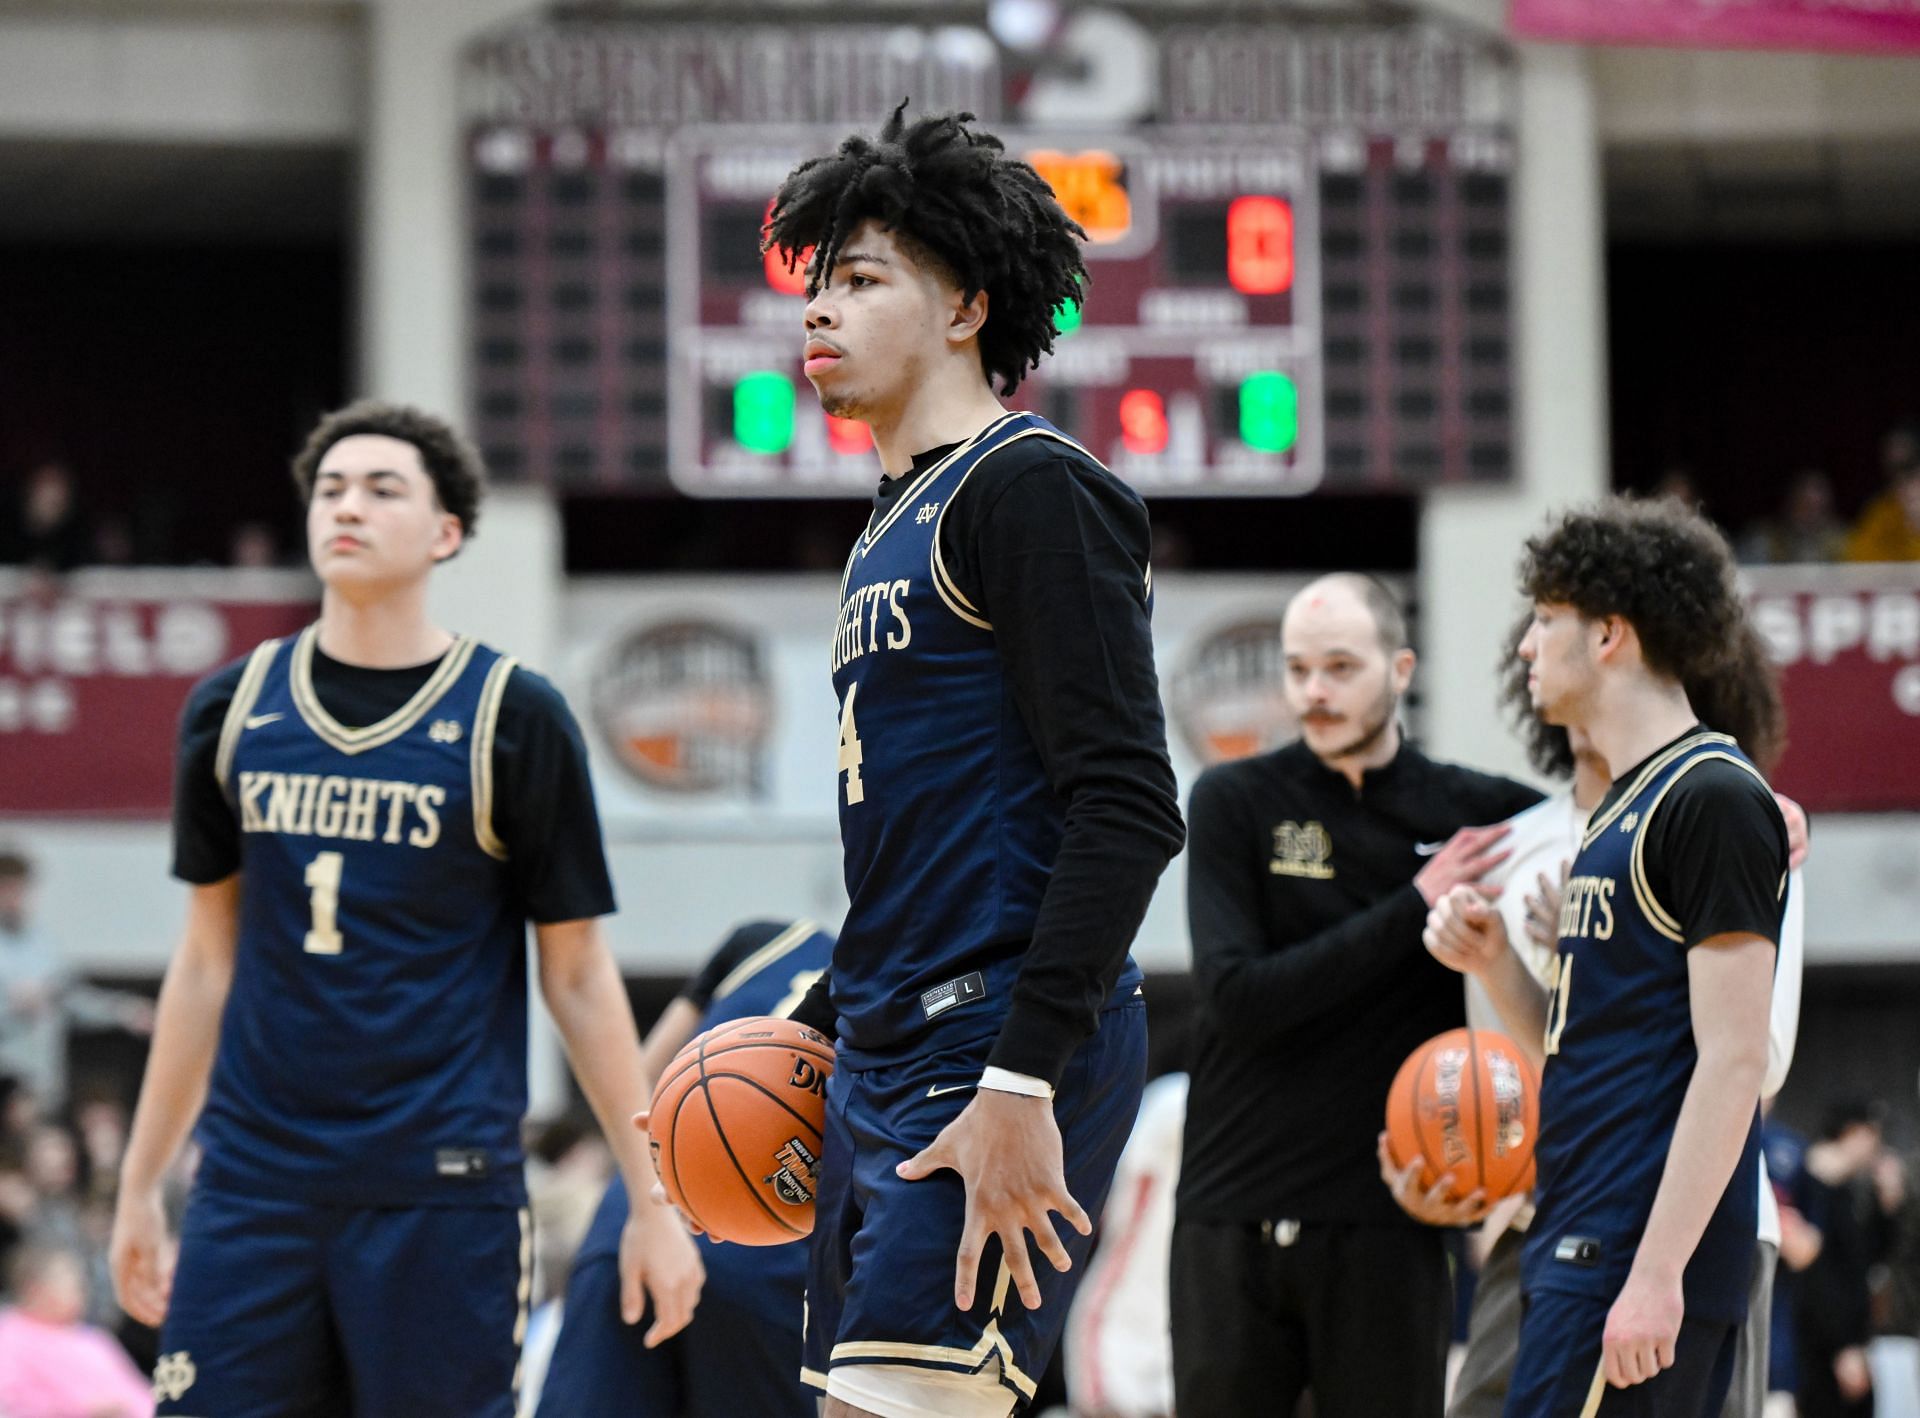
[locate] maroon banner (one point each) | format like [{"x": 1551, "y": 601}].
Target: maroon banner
[
  {"x": 1852, "y": 26},
  {"x": 94, "y": 670},
  {"x": 1848, "y": 642}
]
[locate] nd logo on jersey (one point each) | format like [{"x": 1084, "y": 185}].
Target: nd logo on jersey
[{"x": 173, "y": 1375}]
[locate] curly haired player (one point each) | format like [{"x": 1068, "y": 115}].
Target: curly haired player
[
  {"x": 1637, "y": 1265},
  {"x": 1006, "y": 800}
]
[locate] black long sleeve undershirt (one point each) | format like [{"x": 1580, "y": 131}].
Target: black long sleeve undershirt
[{"x": 1055, "y": 551}]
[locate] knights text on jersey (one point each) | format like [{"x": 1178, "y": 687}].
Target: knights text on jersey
[
  {"x": 1619, "y": 1039},
  {"x": 373, "y": 1049},
  {"x": 947, "y": 819}
]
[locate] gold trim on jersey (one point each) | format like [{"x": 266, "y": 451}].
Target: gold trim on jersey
[
  {"x": 793, "y": 935},
  {"x": 1647, "y": 775},
  {"x": 523, "y": 1295},
  {"x": 873, "y": 533},
  {"x": 452, "y": 665},
  {"x": 991, "y": 1341},
  {"x": 245, "y": 694},
  {"x": 486, "y": 720},
  {"x": 812, "y": 1377},
  {"x": 943, "y": 583},
  {"x": 1661, "y": 919},
  {"x": 1598, "y": 1390}
]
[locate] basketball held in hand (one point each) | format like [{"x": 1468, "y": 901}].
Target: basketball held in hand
[
  {"x": 735, "y": 1129},
  {"x": 1466, "y": 1106}
]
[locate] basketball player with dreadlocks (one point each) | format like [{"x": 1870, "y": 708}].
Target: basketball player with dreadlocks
[
  {"x": 1637, "y": 1267},
  {"x": 1006, "y": 801}
]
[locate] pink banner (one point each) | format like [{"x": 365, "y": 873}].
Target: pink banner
[
  {"x": 1848, "y": 642},
  {"x": 94, "y": 670},
  {"x": 1857, "y": 26}
]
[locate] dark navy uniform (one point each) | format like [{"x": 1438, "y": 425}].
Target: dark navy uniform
[
  {"x": 741, "y": 1353},
  {"x": 357, "y": 1240},
  {"x": 951, "y": 829},
  {"x": 1686, "y": 846}
]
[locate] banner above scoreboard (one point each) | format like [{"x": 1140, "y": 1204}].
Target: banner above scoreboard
[
  {"x": 1863, "y": 26},
  {"x": 1298, "y": 246}
]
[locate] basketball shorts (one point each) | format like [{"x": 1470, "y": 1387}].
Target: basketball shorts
[
  {"x": 881, "y": 1258},
  {"x": 1558, "y": 1373},
  {"x": 285, "y": 1309},
  {"x": 740, "y": 1355}
]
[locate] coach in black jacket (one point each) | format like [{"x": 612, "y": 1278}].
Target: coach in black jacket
[{"x": 1310, "y": 872}]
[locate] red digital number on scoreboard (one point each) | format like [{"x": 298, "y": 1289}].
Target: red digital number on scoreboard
[{"x": 1260, "y": 245}]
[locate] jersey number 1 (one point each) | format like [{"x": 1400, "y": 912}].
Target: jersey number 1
[
  {"x": 850, "y": 754},
  {"x": 1559, "y": 989},
  {"x": 323, "y": 895}
]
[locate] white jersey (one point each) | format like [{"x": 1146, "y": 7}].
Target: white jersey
[
  {"x": 1119, "y": 1342},
  {"x": 1544, "y": 839}
]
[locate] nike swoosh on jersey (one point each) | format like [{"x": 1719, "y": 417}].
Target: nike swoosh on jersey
[
  {"x": 1427, "y": 849},
  {"x": 937, "y": 1089},
  {"x": 260, "y": 721}
]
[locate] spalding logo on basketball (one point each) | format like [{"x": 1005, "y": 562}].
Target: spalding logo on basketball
[
  {"x": 735, "y": 1129},
  {"x": 1465, "y": 1105}
]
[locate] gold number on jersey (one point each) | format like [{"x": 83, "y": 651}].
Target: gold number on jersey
[
  {"x": 850, "y": 754},
  {"x": 1559, "y": 987},
  {"x": 797, "y": 989},
  {"x": 323, "y": 893}
]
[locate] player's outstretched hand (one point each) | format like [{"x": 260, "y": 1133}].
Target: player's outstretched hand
[
  {"x": 1642, "y": 1328},
  {"x": 1464, "y": 932},
  {"x": 1006, "y": 1148},
  {"x": 1435, "y": 1205},
  {"x": 141, "y": 1254},
  {"x": 1469, "y": 854},
  {"x": 659, "y": 1262}
]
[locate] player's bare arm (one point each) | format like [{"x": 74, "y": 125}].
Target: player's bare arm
[
  {"x": 1465, "y": 933},
  {"x": 582, "y": 988},
  {"x": 1730, "y": 980},
  {"x": 185, "y": 1035}
]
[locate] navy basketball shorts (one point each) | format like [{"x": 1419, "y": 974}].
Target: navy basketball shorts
[
  {"x": 284, "y": 1308},
  {"x": 740, "y": 1355},
  {"x": 1559, "y": 1376},
  {"x": 881, "y": 1258}
]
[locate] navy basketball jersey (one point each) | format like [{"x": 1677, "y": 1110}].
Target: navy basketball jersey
[
  {"x": 373, "y": 1050},
  {"x": 947, "y": 820},
  {"x": 1620, "y": 1055}
]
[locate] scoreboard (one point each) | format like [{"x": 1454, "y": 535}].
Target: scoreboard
[
  {"x": 1184, "y": 364},
  {"x": 1298, "y": 264}
]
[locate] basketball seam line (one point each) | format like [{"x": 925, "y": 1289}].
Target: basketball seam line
[{"x": 727, "y": 1144}]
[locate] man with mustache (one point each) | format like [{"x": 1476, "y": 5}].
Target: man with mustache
[{"x": 1311, "y": 872}]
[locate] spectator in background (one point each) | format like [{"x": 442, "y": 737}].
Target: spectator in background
[
  {"x": 253, "y": 545},
  {"x": 40, "y": 995},
  {"x": 46, "y": 529},
  {"x": 52, "y": 1363},
  {"x": 1889, "y": 529},
  {"x": 1805, "y": 528},
  {"x": 1832, "y": 1315}
]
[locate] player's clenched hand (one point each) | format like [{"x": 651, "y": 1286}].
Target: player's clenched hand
[
  {"x": 1543, "y": 909},
  {"x": 1642, "y": 1328},
  {"x": 1006, "y": 1148},
  {"x": 1435, "y": 1205},
  {"x": 657, "y": 1256},
  {"x": 141, "y": 1254},
  {"x": 1464, "y": 932},
  {"x": 1470, "y": 854}
]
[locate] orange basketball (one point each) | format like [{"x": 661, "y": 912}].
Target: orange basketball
[
  {"x": 1466, "y": 1104},
  {"x": 735, "y": 1129}
]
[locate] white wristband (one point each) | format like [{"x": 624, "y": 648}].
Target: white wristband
[{"x": 1004, "y": 1080}]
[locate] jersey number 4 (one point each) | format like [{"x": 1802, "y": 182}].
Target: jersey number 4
[
  {"x": 323, "y": 896},
  {"x": 850, "y": 755}
]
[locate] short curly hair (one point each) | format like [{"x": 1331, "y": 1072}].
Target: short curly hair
[
  {"x": 1657, "y": 564},
  {"x": 459, "y": 476},
  {"x": 951, "y": 195}
]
